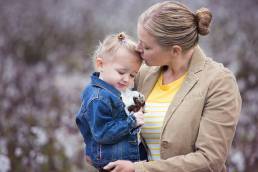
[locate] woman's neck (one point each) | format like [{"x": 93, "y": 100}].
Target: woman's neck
[{"x": 177, "y": 68}]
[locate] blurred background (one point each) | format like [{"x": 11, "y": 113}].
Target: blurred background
[{"x": 45, "y": 50}]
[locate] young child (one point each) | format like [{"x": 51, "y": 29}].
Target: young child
[{"x": 109, "y": 132}]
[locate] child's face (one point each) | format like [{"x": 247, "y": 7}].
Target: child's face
[{"x": 119, "y": 70}]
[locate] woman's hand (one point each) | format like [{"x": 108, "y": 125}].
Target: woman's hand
[{"x": 120, "y": 166}]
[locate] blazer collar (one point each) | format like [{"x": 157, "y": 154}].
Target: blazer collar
[
  {"x": 150, "y": 80},
  {"x": 196, "y": 65},
  {"x": 198, "y": 60}
]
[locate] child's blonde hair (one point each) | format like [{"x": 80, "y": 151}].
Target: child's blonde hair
[{"x": 112, "y": 43}]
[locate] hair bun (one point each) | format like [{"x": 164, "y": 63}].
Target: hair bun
[
  {"x": 121, "y": 36},
  {"x": 203, "y": 17}
]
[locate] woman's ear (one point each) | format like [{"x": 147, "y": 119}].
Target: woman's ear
[
  {"x": 176, "y": 50},
  {"x": 99, "y": 63}
]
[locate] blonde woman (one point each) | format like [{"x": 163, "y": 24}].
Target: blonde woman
[{"x": 193, "y": 103}]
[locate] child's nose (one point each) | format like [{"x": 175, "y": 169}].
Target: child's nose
[{"x": 126, "y": 78}]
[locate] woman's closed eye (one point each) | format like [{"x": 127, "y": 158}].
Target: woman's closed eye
[{"x": 146, "y": 48}]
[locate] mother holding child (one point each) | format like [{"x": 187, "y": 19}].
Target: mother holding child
[{"x": 192, "y": 102}]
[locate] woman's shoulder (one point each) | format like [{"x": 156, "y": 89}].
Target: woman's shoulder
[
  {"x": 145, "y": 69},
  {"x": 220, "y": 79},
  {"x": 216, "y": 75},
  {"x": 143, "y": 73},
  {"x": 217, "y": 69}
]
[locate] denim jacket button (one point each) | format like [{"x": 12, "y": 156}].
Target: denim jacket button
[{"x": 164, "y": 144}]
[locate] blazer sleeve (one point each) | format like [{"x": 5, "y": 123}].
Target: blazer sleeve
[{"x": 216, "y": 131}]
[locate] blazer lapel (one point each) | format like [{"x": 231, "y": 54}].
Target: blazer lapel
[
  {"x": 196, "y": 65},
  {"x": 150, "y": 81}
]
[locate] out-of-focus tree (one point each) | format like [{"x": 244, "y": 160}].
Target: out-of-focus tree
[
  {"x": 234, "y": 42},
  {"x": 38, "y": 40},
  {"x": 45, "y": 49}
]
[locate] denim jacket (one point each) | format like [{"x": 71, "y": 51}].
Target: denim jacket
[{"x": 108, "y": 132}]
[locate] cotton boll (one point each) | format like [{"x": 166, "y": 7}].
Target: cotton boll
[{"x": 133, "y": 100}]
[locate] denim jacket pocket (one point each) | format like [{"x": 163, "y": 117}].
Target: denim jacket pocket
[
  {"x": 132, "y": 149},
  {"x": 106, "y": 152},
  {"x": 96, "y": 152}
]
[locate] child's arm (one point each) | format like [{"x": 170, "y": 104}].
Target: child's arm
[{"x": 103, "y": 127}]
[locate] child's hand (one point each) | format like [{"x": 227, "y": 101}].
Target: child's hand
[{"x": 139, "y": 118}]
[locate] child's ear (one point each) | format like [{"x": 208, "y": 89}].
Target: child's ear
[{"x": 99, "y": 63}]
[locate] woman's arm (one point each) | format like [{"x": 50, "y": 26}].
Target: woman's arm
[{"x": 216, "y": 132}]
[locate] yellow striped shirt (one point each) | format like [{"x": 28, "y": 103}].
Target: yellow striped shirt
[{"x": 156, "y": 106}]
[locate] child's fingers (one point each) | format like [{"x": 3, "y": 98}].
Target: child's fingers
[{"x": 141, "y": 123}]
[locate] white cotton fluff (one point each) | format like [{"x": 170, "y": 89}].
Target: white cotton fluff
[{"x": 128, "y": 99}]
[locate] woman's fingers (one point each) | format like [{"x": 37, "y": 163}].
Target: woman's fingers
[
  {"x": 110, "y": 166},
  {"x": 120, "y": 166}
]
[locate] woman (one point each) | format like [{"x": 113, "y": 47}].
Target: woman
[{"x": 193, "y": 103}]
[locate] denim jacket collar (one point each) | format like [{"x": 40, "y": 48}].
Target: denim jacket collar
[{"x": 95, "y": 80}]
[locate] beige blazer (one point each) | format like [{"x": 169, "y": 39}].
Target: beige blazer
[{"x": 200, "y": 123}]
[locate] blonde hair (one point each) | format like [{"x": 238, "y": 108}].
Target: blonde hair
[
  {"x": 112, "y": 43},
  {"x": 172, "y": 23}
]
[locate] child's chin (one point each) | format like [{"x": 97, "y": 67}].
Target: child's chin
[{"x": 122, "y": 89}]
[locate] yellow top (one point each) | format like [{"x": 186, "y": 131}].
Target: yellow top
[{"x": 156, "y": 106}]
